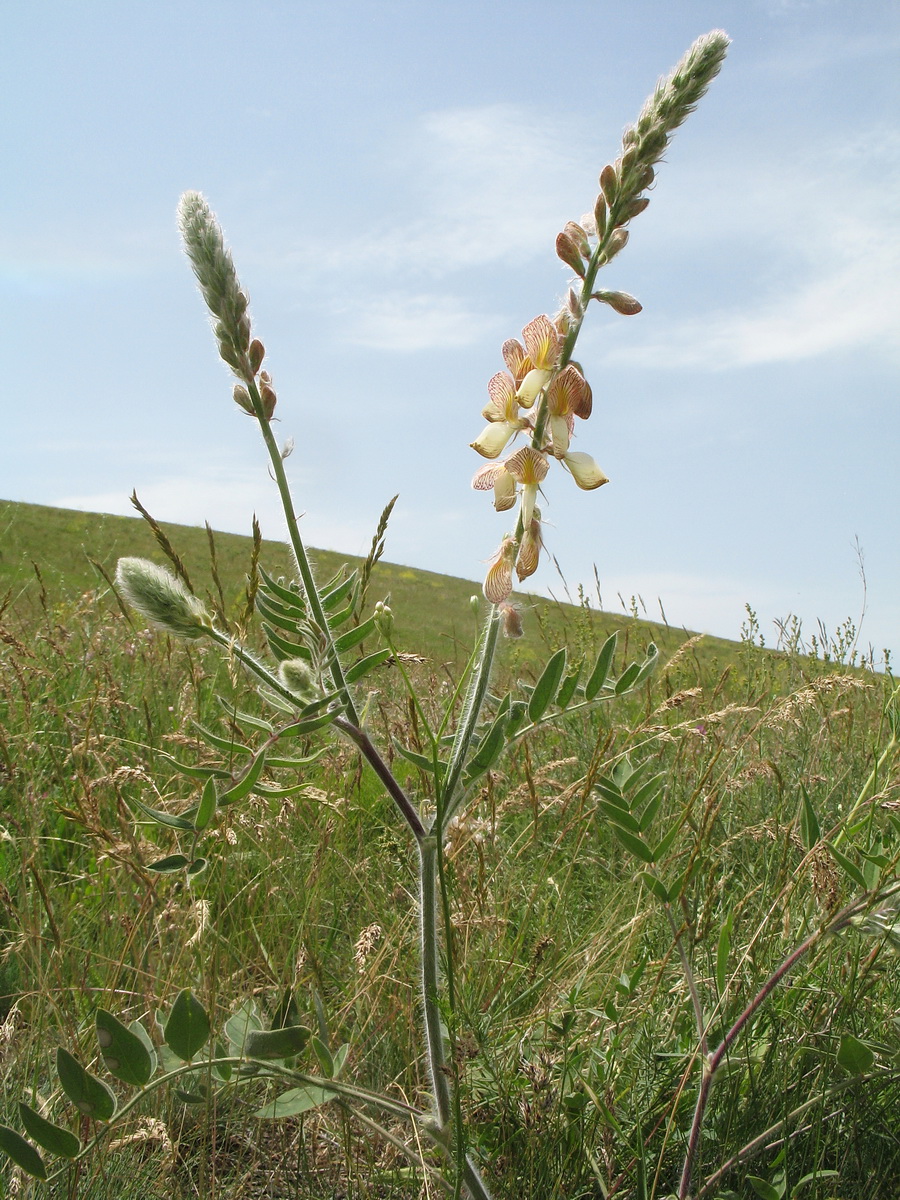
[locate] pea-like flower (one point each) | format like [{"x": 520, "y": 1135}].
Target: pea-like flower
[
  {"x": 502, "y": 413},
  {"x": 568, "y": 396},
  {"x": 584, "y": 470},
  {"x": 530, "y": 548},
  {"x": 542, "y": 354},
  {"x": 496, "y": 476},
  {"x": 529, "y": 468}
]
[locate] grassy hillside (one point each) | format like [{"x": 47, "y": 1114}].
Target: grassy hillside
[
  {"x": 54, "y": 551},
  {"x": 577, "y": 988}
]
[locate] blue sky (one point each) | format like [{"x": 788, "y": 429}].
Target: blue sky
[{"x": 391, "y": 177}]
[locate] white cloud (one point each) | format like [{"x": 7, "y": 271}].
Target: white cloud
[
  {"x": 398, "y": 321},
  {"x": 490, "y": 183},
  {"x": 829, "y": 242}
]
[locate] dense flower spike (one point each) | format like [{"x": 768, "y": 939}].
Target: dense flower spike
[
  {"x": 162, "y": 598},
  {"x": 541, "y": 375}
]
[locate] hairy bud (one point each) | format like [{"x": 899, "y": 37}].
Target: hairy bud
[{"x": 162, "y": 598}]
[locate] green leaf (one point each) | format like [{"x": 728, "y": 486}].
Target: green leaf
[
  {"x": 276, "y": 1043},
  {"x": 636, "y": 845},
  {"x": 197, "y": 867},
  {"x": 648, "y": 665},
  {"x": 332, "y": 599},
  {"x": 655, "y": 885},
  {"x": 854, "y": 1056},
  {"x": 367, "y": 664},
  {"x": 282, "y": 648},
  {"x": 295, "y": 1101},
  {"x": 567, "y": 689},
  {"x": 763, "y": 1188},
  {"x": 140, "y": 1032},
  {"x": 160, "y": 818},
  {"x": 546, "y": 686},
  {"x": 621, "y": 816},
  {"x": 848, "y": 866},
  {"x": 169, "y": 865},
  {"x": 124, "y": 1053},
  {"x": 302, "y": 727},
  {"x": 610, "y": 791},
  {"x": 323, "y": 1054},
  {"x": 240, "y": 1025},
  {"x": 649, "y": 814},
  {"x": 293, "y": 764},
  {"x": 518, "y": 711},
  {"x": 224, "y": 744},
  {"x": 21, "y": 1152},
  {"x": 245, "y": 784},
  {"x": 663, "y": 847},
  {"x": 354, "y": 636},
  {"x": 340, "y": 1059},
  {"x": 488, "y": 750},
  {"x": 813, "y": 1177},
  {"x": 422, "y": 761},
  {"x": 89, "y": 1094},
  {"x": 809, "y": 822},
  {"x": 190, "y": 771},
  {"x": 244, "y": 718},
  {"x": 207, "y": 808},
  {"x": 52, "y": 1138},
  {"x": 274, "y": 615},
  {"x": 187, "y": 1027},
  {"x": 723, "y": 949},
  {"x": 627, "y": 679},
  {"x": 600, "y": 673},
  {"x": 287, "y": 595}
]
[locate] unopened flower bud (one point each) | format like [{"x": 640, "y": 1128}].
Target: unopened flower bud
[
  {"x": 384, "y": 619},
  {"x": 635, "y": 207},
  {"x": 574, "y": 231},
  {"x": 256, "y": 354},
  {"x": 622, "y": 302},
  {"x": 600, "y": 215},
  {"x": 512, "y": 621},
  {"x": 268, "y": 397},
  {"x": 609, "y": 183},
  {"x": 475, "y": 605},
  {"x": 617, "y": 242},
  {"x": 569, "y": 253},
  {"x": 162, "y": 598},
  {"x": 498, "y": 581},
  {"x": 298, "y": 678},
  {"x": 242, "y": 399}
]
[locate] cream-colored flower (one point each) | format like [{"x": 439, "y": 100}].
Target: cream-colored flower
[
  {"x": 529, "y": 468},
  {"x": 568, "y": 396},
  {"x": 502, "y": 413},
  {"x": 584, "y": 470},
  {"x": 542, "y": 345},
  {"x": 496, "y": 476}
]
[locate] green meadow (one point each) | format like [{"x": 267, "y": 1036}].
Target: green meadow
[{"x": 575, "y": 1043}]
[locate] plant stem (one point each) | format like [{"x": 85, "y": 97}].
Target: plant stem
[
  {"x": 370, "y": 753},
  {"x": 711, "y": 1067},
  {"x": 303, "y": 564},
  {"x": 688, "y": 972}
]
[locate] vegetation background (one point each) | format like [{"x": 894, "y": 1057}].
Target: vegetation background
[{"x": 578, "y": 1070}]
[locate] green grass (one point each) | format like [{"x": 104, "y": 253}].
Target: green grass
[{"x": 575, "y": 1036}]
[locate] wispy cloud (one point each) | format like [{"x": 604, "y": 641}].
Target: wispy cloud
[
  {"x": 489, "y": 184},
  {"x": 836, "y": 236},
  {"x": 397, "y": 321}
]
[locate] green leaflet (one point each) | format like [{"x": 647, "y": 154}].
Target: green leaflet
[
  {"x": 207, "y": 807},
  {"x": 124, "y": 1053},
  {"x": 276, "y": 1043},
  {"x": 89, "y": 1094},
  {"x": 358, "y": 669},
  {"x": 545, "y": 688},
  {"x": 52, "y": 1138},
  {"x": 354, "y": 636},
  {"x": 159, "y": 817},
  {"x": 187, "y": 1028},
  {"x": 601, "y": 670},
  {"x": 245, "y": 784},
  {"x": 295, "y": 1101},
  {"x": 22, "y": 1152},
  {"x": 854, "y": 1056}
]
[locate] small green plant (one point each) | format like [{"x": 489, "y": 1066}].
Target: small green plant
[{"x": 321, "y": 648}]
